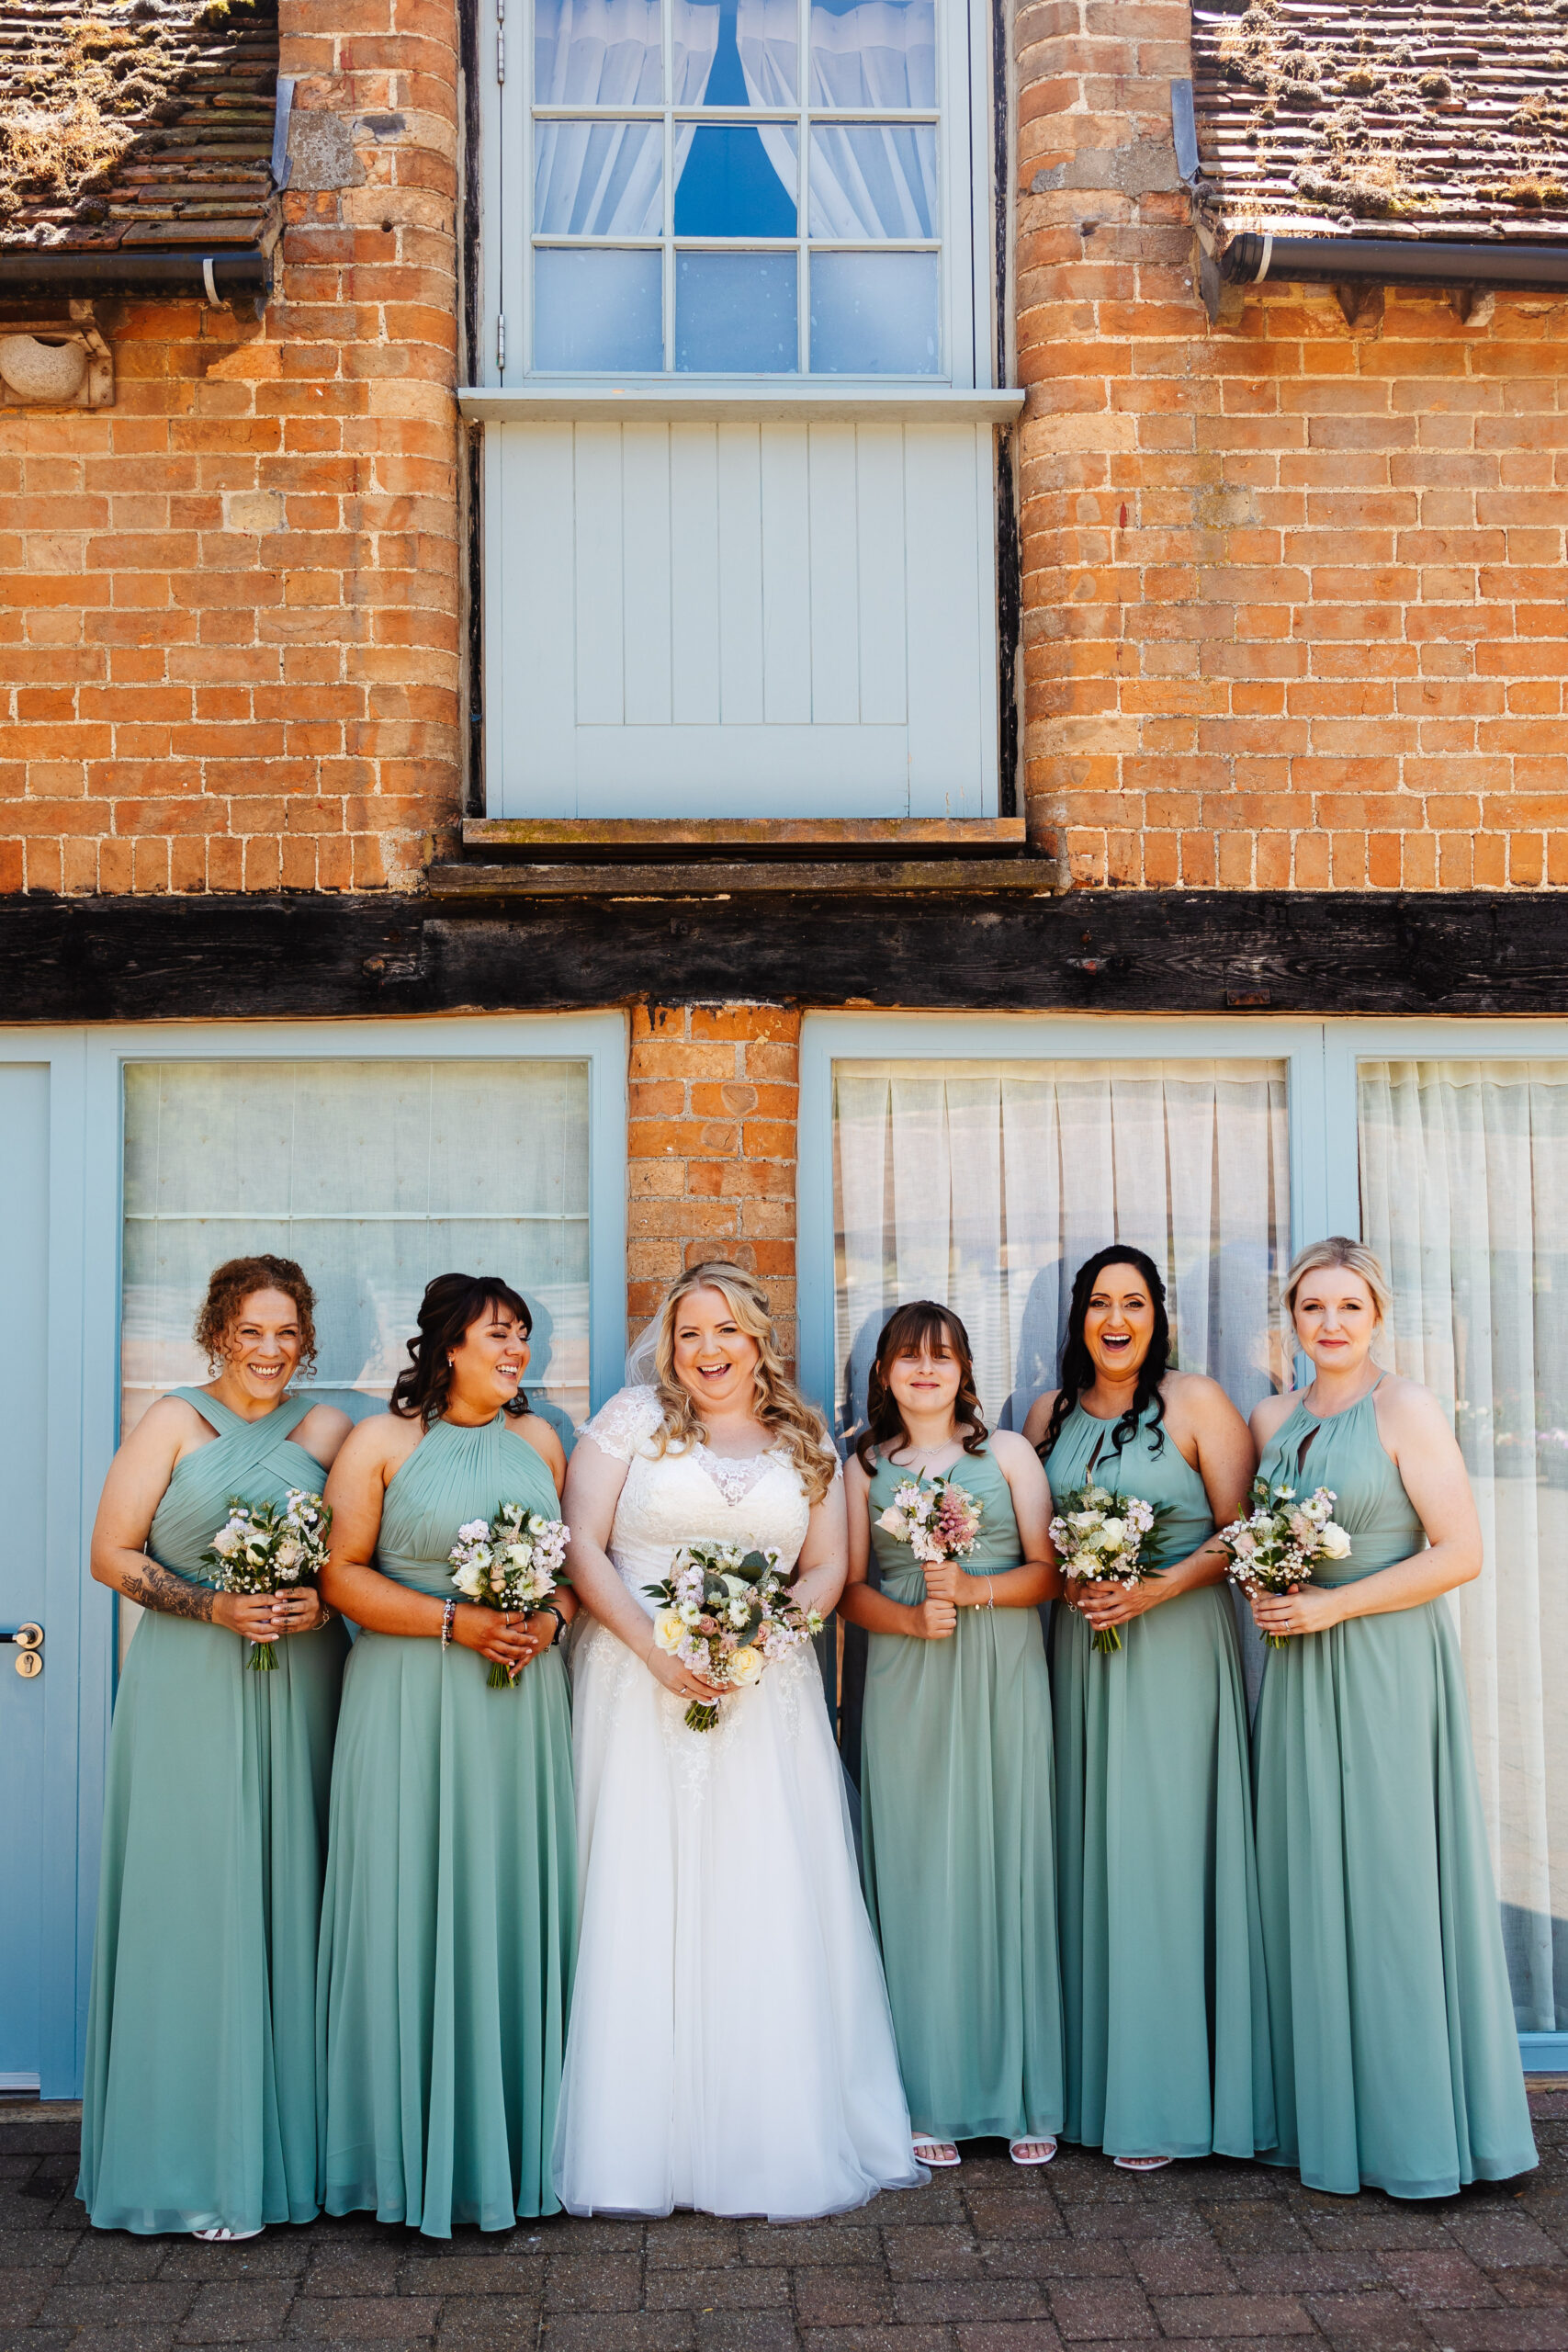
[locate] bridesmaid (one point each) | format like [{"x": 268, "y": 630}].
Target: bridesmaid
[
  {"x": 1162, "y": 1963},
  {"x": 1395, "y": 2059},
  {"x": 451, "y": 1883},
  {"x": 200, "y": 2096},
  {"x": 955, "y": 1783}
]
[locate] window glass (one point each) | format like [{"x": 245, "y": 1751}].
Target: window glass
[
  {"x": 1464, "y": 1173},
  {"x": 375, "y": 1175},
  {"x": 704, "y": 132},
  {"x": 874, "y": 314},
  {"x": 985, "y": 1184}
]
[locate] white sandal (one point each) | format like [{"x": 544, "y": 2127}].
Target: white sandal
[
  {"x": 1141, "y": 2164},
  {"x": 221, "y": 2236},
  {"x": 1043, "y": 2141},
  {"x": 940, "y": 2155}
]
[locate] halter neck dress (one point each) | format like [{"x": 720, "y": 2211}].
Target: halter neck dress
[
  {"x": 199, "y": 2099},
  {"x": 1162, "y": 1956},
  {"x": 1395, "y": 2057},
  {"x": 956, "y": 1818},
  {"x": 447, "y": 1922}
]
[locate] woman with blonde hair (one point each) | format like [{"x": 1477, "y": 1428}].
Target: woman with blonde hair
[
  {"x": 1395, "y": 2061},
  {"x": 730, "y": 2047}
]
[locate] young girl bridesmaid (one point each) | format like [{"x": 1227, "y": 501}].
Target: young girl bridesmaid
[
  {"x": 956, "y": 1755},
  {"x": 198, "y": 2105},
  {"x": 1395, "y": 2060},
  {"x": 1162, "y": 1961},
  {"x": 451, "y": 1880}
]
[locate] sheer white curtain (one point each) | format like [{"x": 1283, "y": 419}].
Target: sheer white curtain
[
  {"x": 985, "y": 1184},
  {"x": 606, "y": 178},
  {"x": 1464, "y": 1182}
]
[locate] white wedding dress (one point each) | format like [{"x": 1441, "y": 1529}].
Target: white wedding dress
[{"x": 730, "y": 2047}]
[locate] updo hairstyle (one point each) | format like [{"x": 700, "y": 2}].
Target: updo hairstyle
[{"x": 452, "y": 1304}]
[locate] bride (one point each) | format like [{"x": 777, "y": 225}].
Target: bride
[{"x": 730, "y": 2047}]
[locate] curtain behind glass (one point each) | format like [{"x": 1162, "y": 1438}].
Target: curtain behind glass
[
  {"x": 985, "y": 1184},
  {"x": 606, "y": 178},
  {"x": 1465, "y": 1175},
  {"x": 375, "y": 1175}
]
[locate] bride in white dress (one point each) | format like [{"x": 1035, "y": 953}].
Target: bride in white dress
[{"x": 730, "y": 2047}]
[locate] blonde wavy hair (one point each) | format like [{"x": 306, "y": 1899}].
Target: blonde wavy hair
[
  {"x": 1355, "y": 1257},
  {"x": 794, "y": 1426}
]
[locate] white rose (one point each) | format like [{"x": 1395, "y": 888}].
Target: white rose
[
  {"x": 1114, "y": 1532},
  {"x": 1333, "y": 1542},
  {"x": 893, "y": 1523},
  {"x": 667, "y": 1629},
  {"x": 744, "y": 1668}
]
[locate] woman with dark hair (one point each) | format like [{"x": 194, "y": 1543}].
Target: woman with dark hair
[
  {"x": 199, "y": 2102},
  {"x": 955, "y": 1781},
  {"x": 1162, "y": 1959},
  {"x": 451, "y": 1878}
]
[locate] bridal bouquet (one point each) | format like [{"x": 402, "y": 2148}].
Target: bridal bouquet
[
  {"x": 1275, "y": 1545},
  {"x": 1100, "y": 1537},
  {"x": 938, "y": 1519},
  {"x": 262, "y": 1547},
  {"x": 726, "y": 1611},
  {"x": 512, "y": 1561}
]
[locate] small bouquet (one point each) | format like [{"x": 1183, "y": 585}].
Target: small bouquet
[
  {"x": 1100, "y": 1537},
  {"x": 1274, "y": 1547},
  {"x": 938, "y": 1519},
  {"x": 512, "y": 1561},
  {"x": 261, "y": 1547},
  {"x": 726, "y": 1611}
]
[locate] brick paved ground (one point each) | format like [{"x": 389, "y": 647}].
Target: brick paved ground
[{"x": 1207, "y": 2254}]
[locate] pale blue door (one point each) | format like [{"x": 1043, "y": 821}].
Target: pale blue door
[{"x": 39, "y": 1585}]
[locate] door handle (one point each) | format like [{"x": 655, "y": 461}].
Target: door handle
[{"x": 27, "y": 1642}]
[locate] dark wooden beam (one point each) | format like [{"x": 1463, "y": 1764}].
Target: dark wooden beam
[{"x": 238, "y": 958}]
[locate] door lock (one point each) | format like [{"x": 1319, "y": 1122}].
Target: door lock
[{"x": 27, "y": 1642}]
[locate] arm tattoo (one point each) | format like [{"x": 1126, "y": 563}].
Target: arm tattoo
[{"x": 160, "y": 1589}]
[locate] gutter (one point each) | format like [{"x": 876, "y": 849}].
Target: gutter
[
  {"x": 1253, "y": 255},
  {"x": 215, "y": 278}
]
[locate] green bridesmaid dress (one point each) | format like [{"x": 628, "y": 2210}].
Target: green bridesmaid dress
[
  {"x": 955, "y": 1791},
  {"x": 1395, "y": 2059},
  {"x": 199, "y": 2105},
  {"x": 446, "y": 1923},
  {"x": 1162, "y": 1956}
]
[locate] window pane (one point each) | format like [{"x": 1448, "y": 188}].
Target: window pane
[
  {"x": 735, "y": 52},
  {"x": 868, "y": 181},
  {"x": 366, "y": 1171},
  {"x": 736, "y": 313},
  {"x": 1464, "y": 1172},
  {"x": 598, "y": 179},
  {"x": 988, "y": 1183},
  {"x": 597, "y": 311},
  {"x": 732, "y": 181},
  {"x": 873, "y": 53},
  {"x": 597, "y": 53},
  {"x": 874, "y": 314}
]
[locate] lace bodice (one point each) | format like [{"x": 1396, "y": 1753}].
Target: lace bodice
[{"x": 690, "y": 1495}]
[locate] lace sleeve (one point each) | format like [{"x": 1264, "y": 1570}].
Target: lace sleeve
[{"x": 619, "y": 1428}]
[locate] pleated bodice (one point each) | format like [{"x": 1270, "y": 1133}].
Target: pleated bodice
[
  {"x": 1344, "y": 1452},
  {"x": 454, "y": 1474},
  {"x": 1150, "y": 1466},
  {"x": 256, "y": 1461},
  {"x": 997, "y": 1546}
]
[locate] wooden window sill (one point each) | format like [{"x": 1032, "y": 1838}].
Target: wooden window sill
[{"x": 645, "y": 840}]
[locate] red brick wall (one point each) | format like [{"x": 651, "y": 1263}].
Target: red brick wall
[
  {"x": 1294, "y": 596},
  {"x": 229, "y": 604},
  {"x": 711, "y": 1149}
]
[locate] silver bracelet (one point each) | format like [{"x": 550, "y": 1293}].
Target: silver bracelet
[{"x": 447, "y": 1614}]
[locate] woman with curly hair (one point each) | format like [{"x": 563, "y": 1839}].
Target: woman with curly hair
[
  {"x": 1162, "y": 1994},
  {"x": 198, "y": 2101},
  {"x": 730, "y": 2046},
  {"x": 955, "y": 1779},
  {"x": 446, "y": 1923}
]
